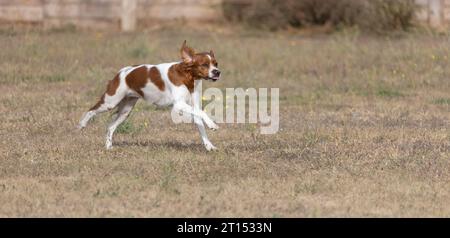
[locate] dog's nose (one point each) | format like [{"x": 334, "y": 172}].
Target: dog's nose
[{"x": 216, "y": 72}]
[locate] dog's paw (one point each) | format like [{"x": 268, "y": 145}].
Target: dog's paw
[
  {"x": 108, "y": 145},
  {"x": 80, "y": 127},
  {"x": 211, "y": 125},
  {"x": 210, "y": 147},
  {"x": 214, "y": 127}
]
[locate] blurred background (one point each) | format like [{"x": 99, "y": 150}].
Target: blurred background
[{"x": 127, "y": 15}]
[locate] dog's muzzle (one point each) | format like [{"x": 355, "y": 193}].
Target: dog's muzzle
[{"x": 216, "y": 75}]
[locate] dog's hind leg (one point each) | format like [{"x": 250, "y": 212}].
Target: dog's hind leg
[
  {"x": 91, "y": 113},
  {"x": 105, "y": 103},
  {"x": 109, "y": 100},
  {"x": 123, "y": 111}
]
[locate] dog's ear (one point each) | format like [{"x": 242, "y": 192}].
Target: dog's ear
[
  {"x": 187, "y": 53},
  {"x": 211, "y": 53}
]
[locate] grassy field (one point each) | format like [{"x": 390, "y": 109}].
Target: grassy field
[{"x": 365, "y": 128}]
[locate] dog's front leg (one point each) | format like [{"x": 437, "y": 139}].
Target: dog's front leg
[
  {"x": 198, "y": 117},
  {"x": 184, "y": 107},
  {"x": 198, "y": 121},
  {"x": 201, "y": 128}
]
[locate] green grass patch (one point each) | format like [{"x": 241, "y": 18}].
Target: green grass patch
[
  {"x": 66, "y": 28},
  {"x": 53, "y": 78},
  {"x": 139, "y": 52},
  {"x": 168, "y": 179},
  {"x": 442, "y": 101},
  {"x": 389, "y": 93},
  {"x": 127, "y": 127}
]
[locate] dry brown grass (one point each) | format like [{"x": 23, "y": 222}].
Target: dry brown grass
[{"x": 364, "y": 129}]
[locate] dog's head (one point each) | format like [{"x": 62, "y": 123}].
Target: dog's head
[{"x": 202, "y": 65}]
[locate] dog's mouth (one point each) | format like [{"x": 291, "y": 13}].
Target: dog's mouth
[{"x": 214, "y": 79}]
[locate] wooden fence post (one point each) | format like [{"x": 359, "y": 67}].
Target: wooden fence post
[
  {"x": 435, "y": 16},
  {"x": 129, "y": 15}
]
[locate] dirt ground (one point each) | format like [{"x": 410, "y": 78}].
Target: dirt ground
[{"x": 364, "y": 128}]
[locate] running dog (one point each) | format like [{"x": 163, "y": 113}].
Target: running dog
[{"x": 167, "y": 84}]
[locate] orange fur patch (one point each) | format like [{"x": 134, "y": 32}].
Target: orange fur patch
[
  {"x": 99, "y": 103},
  {"x": 137, "y": 79},
  {"x": 180, "y": 74},
  {"x": 155, "y": 77},
  {"x": 113, "y": 85},
  {"x": 111, "y": 88}
]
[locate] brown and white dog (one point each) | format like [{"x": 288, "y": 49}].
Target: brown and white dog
[{"x": 163, "y": 85}]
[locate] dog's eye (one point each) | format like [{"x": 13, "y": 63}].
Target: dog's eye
[
  {"x": 205, "y": 65},
  {"x": 216, "y": 64}
]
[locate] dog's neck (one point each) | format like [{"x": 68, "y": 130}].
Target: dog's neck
[{"x": 182, "y": 73}]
